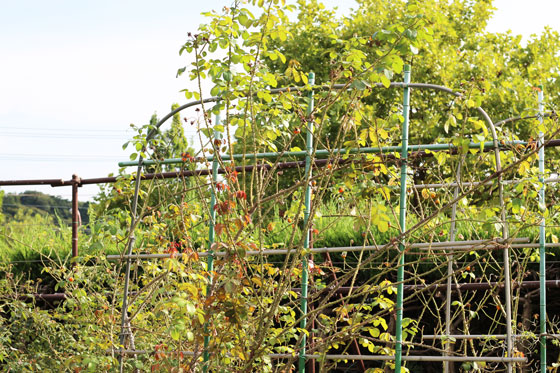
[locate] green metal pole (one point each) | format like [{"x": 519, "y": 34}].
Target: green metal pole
[
  {"x": 307, "y": 213},
  {"x": 326, "y": 153},
  {"x": 542, "y": 238},
  {"x": 402, "y": 220},
  {"x": 211, "y": 236}
]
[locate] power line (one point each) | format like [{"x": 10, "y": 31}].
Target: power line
[
  {"x": 15, "y": 127},
  {"x": 52, "y": 136},
  {"x": 77, "y": 130},
  {"x": 60, "y": 158},
  {"x": 61, "y": 155}
]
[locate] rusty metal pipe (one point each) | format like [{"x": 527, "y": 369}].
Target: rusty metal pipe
[
  {"x": 76, "y": 220},
  {"x": 465, "y": 286},
  {"x": 203, "y": 172}
]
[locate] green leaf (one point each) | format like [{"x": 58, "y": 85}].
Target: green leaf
[
  {"x": 180, "y": 71},
  {"x": 360, "y": 85},
  {"x": 190, "y": 336},
  {"x": 244, "y": 20},
  {"x": 374, "y": 332},
  {"x": 191, "y": 308},
  {"x": 386, "y": 82}
]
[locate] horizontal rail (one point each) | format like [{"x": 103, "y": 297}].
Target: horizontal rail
[
  {"x": 51, "y": 182},
  {"x": 203, "y": 172},
  {"x": 486, "y": 336},
  {"x": 146, "y": 352},
  {"x": 463, "y": 286},
  {"x": 47, "y": 297},
  {"x": 489, "y": 359},
  {"x": 407, "y": 287},
  {"x": 323, "y": 152},
  {"x": 497, "y": 246},
  {"x": 151, "y": 176},
  {"x": 426, "y": 246},
  {"x": 476, "y": 183}
]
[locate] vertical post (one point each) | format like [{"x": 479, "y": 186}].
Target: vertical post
[
  {"x": 452, "y": 233},
  {"x": 75, "y": 217},
  {"x": 307, "y": 212},
  {"x": 542, "y": 237},
  {"x": 125, "y": 324},
  {"x": 507, "y": 271},
  {"x": 310, "y": 365},
  {"x": 402, "y": 219},
  {"x": 211, "y": 237}
]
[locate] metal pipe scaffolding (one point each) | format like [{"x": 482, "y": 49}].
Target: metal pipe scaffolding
[
  {"x": 407, "y": 152},
  {"x": 523, "y": 242},
  {"x": 486, "y": 336},
  {"x": 426, "y": 358},
  {"x": 542, "y": 237},
  {"x": 402, "y": 220},
  {"x": 306, "y": 216}
]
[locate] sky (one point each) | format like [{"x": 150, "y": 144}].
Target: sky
[{"x": 75, "y": 74}]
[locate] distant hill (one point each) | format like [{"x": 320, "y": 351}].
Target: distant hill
[{"x": 42, "y": 203}]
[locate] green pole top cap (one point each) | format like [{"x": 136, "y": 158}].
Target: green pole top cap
[
  {"x": 311, "y": 78},
  {"x": 407, "y": 68},
  {"x": 540, "y": 87}
]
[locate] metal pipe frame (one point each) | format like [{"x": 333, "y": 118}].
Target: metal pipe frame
[
  {"x": 426, "y": 246},
  {"x": 280, "y": 166},
  {"x": 489, "y": 359},
  {"x": 488, "y": 145},
  {"x": 499, "y": 246},
  {"x": 542, "y": 238},
  {"x": 467, "y": 286},
  {"x": 211, "y": 237},
  {"x": 476, "y": 183},
  {"x": 452, "y": 228},
  {"x": 426, "y": 358},
  {"x": 402, "y": 221},
  {"x": 306, "y": 226},
  {"x": 406, "y": 85},
  {"x": 486, "y": 336},
  {"x": 404, "y": 154},
  {"x": 75, "y": 217},
  {"x": 130, "y": 246}
]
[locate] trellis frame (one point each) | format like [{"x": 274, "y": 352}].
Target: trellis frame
[{"x": 405, "y": 149}]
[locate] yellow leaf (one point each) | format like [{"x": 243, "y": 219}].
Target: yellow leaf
[
  {"x": 257, "y": 281},
  {"x": 383, "y": 226},
  {"x": 524, "y": 167},
  {"x": 385, "y": 81},
  {"x": 382, "y": 133}
]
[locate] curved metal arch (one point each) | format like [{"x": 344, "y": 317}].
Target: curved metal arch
[{"x": 436, "y": 87}]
